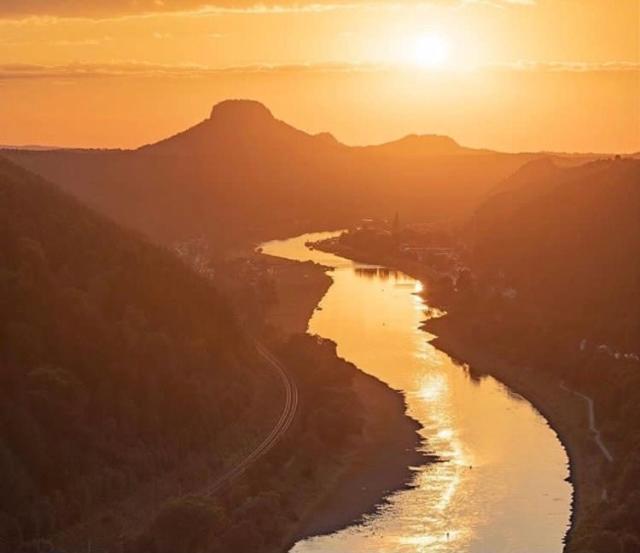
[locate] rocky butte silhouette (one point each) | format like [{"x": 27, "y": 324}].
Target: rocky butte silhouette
[{"x": 242, "y": 126}]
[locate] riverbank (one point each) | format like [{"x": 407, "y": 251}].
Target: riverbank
[
  {"x": 380, "y": 461},
  {"x": 298, "y": 288},
  {"x": 563, "y": 410}
]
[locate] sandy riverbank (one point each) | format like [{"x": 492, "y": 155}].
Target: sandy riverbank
[
  {"x": 381, "y": 461},
  {"x": 299, "y": 287}
]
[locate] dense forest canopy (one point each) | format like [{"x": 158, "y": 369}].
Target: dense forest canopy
[
  {"x": 117, "y": 361},
  {"x": 567, "y": 241}
]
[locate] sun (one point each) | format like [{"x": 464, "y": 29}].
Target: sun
[{"x": 429, "y": 50}]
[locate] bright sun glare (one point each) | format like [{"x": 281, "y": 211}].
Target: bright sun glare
[{"x": 429, "y": 50}]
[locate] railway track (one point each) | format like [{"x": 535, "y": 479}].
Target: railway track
[{"x": 283, "y": 423}]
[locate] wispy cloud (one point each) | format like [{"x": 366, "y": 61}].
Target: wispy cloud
[
  {"x": 46, "y": 10},
  {"x": 142, "y": 69},
  {"x": 61, "y": 42},
  {"x": 560, "y": 66},
  {"x": 498, "y": 3}
]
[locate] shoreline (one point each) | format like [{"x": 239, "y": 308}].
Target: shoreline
[
  {"x": 482, "y": 364},
  {"x": 369, "y": 478},
  {"x": 563, "y": 411},
  {"x": 382, "y": 461},
  {"x": 564, "y": 415}
]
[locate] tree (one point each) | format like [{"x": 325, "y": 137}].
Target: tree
[{"x": 187, "y": 525}]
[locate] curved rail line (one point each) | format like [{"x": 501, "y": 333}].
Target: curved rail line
[{"x": 279, "y": 429}]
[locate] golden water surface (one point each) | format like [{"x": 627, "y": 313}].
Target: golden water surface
[{"x": 502, "y": 486}]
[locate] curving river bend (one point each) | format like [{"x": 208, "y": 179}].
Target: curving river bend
[{"x": 502, "y": 487}]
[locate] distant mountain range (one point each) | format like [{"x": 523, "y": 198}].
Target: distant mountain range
[{"x": 242, "y": 175}]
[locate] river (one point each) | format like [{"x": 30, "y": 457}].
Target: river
[{"x": 502, "y": 484}]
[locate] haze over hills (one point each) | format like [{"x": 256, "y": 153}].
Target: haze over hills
[
  {"x": 245, "y": 124},
  {"x": 551, "y": 244},
  {"x": 282, "y": 276},
  {"x": 242, "y": 175}
]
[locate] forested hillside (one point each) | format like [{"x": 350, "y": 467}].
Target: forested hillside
[
  {"x": 117, "y": 363},
  {"x": 567, "y": 241},
  {"x": 555, "y": 259}
]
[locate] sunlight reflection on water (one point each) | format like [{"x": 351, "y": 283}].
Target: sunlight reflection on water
[{"x": 501, "y": 486}]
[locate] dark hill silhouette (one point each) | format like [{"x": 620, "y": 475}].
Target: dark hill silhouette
[
  {"x": 117, "y": 364},
  {"x": 530, "y": 176},
  {"x": 569, "y": 240},
  {"x": 240, "y": 128},
  {"x": 420, "y": 145},
  {"x": 243, "y": 175},
  {"x": 565, "y": 244}
]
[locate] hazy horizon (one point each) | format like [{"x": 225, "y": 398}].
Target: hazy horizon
[
  {"x": 504, "y": 75},
  {"x": 131, "y": 145}
]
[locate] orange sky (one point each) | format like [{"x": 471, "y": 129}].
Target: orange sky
[{"x": 511, "y": 75}]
